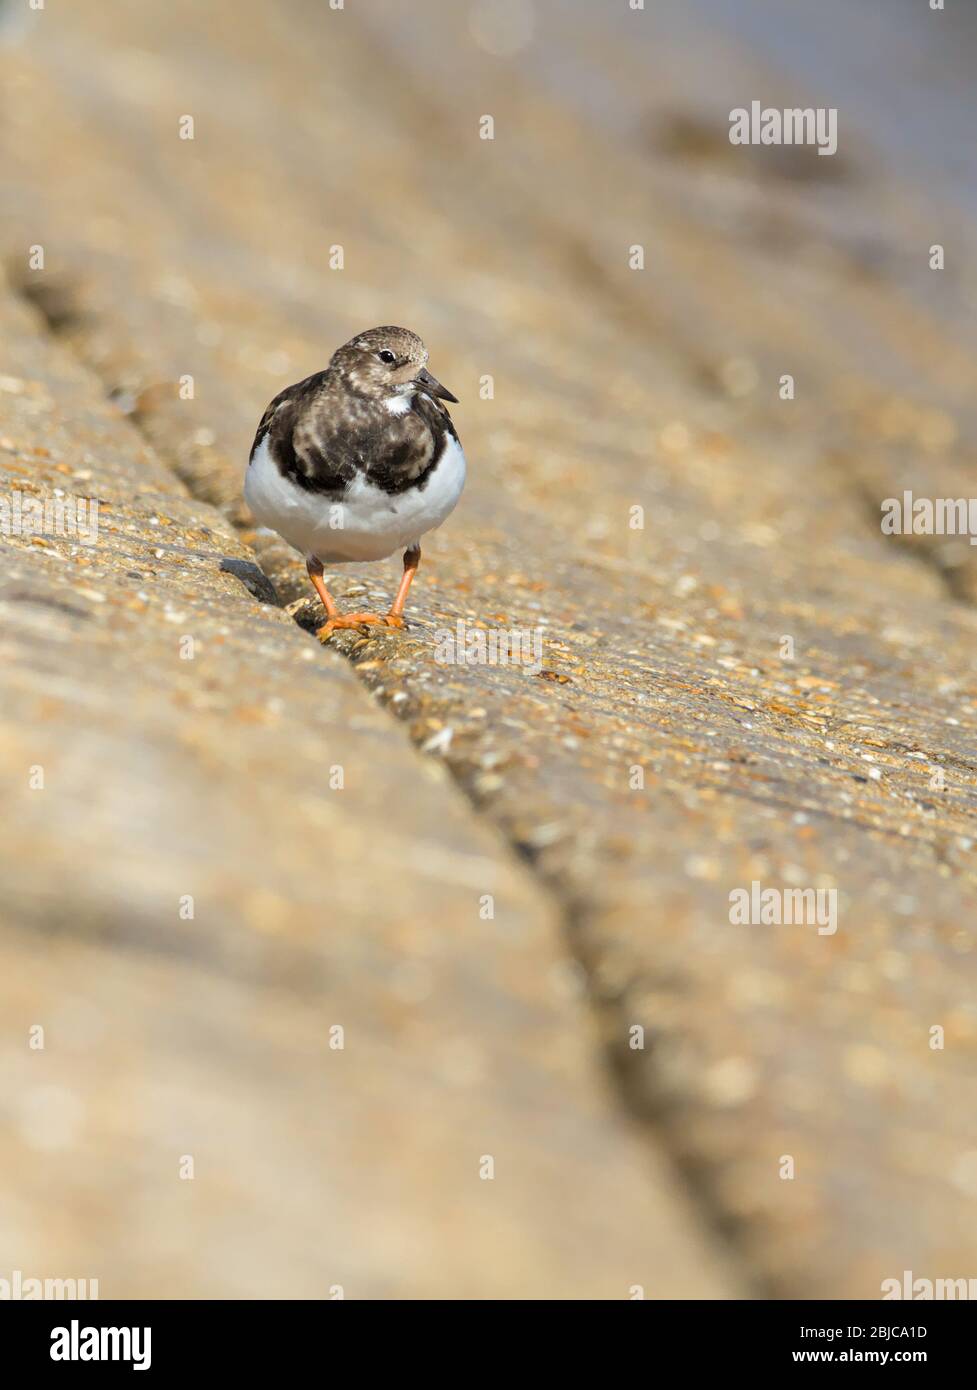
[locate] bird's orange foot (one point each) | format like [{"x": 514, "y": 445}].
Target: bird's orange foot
[{"x": 345, "y": 620}]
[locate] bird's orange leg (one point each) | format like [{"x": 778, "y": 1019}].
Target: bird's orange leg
[
  {"x": 412, "y": 558},
  {"x": 314, "y": 567},
  {"x": 335, "y": 619}
]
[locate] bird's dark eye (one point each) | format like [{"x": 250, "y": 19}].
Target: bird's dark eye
[{"x": 385, "y": 355}]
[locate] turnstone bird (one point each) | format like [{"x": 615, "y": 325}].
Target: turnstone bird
[{"x": 357, "y": 462}]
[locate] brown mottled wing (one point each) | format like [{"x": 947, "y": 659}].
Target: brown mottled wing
[
  {"x": 289, "y": 394},
  {"x": 292, "y": 430}
]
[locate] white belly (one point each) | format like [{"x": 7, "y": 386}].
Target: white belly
[{"x": 365, "y": 524}]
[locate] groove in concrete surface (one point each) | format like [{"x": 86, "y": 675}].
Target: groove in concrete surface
[{"x": 874, "y": 475}]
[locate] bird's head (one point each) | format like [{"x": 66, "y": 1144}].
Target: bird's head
[{"x": 386, "y": 362}]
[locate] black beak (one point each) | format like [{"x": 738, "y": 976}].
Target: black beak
[{"x": 433, "y": 387}]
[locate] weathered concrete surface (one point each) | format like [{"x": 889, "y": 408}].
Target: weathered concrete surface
[
  {"x": 133, "y": 778},
  {"x": 613, "y": 388}
]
